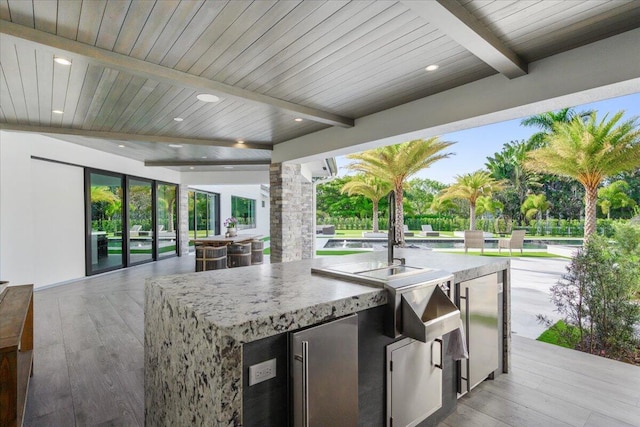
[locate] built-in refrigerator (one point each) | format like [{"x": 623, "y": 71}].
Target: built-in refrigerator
[
  {"x": 324, "y": 374},
  {"x": 478, "y": 302}
]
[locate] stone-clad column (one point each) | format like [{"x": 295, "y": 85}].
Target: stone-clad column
[
  {"x": 291, "y": 214},
  {"x": 183, "y": 223}
]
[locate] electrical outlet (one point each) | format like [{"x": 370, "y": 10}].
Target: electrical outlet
[{"x": 262, "y": 371}]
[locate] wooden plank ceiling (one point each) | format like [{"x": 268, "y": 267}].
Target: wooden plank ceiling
[{"x": 138, "y": 65}]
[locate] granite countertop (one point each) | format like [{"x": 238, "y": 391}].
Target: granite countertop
[{"x": 255, "y": 302}]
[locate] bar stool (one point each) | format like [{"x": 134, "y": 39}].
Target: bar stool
[
  {"x": 211, "y": 257},
  {"x": 257, "y": 247},
  {"x": 238, "y": 255}
]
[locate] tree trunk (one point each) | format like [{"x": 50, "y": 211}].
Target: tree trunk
[
  {"x": 375, "y": 216},
  {"x": 399, "y": 216},
  {"x": 472, "y": 216},
  {"x": 590, "y": 199}
]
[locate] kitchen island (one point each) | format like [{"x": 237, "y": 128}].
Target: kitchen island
[{"x": 201, "y": 328}]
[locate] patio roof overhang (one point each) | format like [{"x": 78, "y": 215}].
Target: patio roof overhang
[
  {"x": 579, "y": 76},
  {"x": 354, "y": 72}
]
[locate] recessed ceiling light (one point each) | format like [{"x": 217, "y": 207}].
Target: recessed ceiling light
[
  {"x": 240, "y": 141},
  {"x": 58, "y": 112},
  {"x": 191, "y": 167},
  {"x": 203, "y": 157},
  {"x": 297, "y": 119},
  {"x": 121, "y": 146},
  {"x": 228, "y": 167},
  {"x": 175, "y": 145},
  {"x": 207, "y": 97},
  {"x": 62, "y": 61},
  {"x": 178, "y": 119},
  {"x": 432, "y": 67}
]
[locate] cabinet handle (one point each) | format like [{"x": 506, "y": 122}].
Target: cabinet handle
[
  {"x": 305, "y": 383},
  {"x": 466, "y": 324},
  {"x": 439, "y": 365}
]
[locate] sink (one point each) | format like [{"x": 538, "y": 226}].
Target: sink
[
  {"x": 375, "y": 273},
  {"x": 417, "y": 304}
]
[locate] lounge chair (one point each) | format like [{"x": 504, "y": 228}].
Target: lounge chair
[
  {"x": 516, "y": 241},
  {"x": 407, "y": 233},
  {"x": 427, "y": 231},
  {"x": 474, "y": 239},
  {"x": 135, "y": 231}
]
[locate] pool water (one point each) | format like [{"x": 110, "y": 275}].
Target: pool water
[{"x": 380, "y": 244}]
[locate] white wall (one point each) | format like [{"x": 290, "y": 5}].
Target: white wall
[
  {"x": 42, "y": 205},
  {"x": 57, "y": 202},
  {"x": 248, "y": 191}
]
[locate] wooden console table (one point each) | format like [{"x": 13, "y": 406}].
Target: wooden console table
[{"x": 16, "y": 352}]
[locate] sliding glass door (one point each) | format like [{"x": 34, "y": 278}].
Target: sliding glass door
[
  {"x": 104, "y": 239},
  {"x": 204, "y": 214},
  {"x": 129, "y": 220},
  {"x": 140, "y": 234},
  {"x": 167, "y": 219}
]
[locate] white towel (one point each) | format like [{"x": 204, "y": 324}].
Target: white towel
[{"x": 457, "y": 347}]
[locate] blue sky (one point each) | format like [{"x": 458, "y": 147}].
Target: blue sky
[{"x": 473, "y": 146}]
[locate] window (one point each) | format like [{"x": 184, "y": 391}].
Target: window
[{"x": 245, "y": 211}]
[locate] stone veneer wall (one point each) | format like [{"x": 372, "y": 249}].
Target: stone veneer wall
[
  {"x": 183, "y": 216},
  {"x": 291, "y": 214},
  {"x": 307, "y": 226}
]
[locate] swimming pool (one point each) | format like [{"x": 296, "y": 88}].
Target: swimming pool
[{"x": 380, "y": 244}]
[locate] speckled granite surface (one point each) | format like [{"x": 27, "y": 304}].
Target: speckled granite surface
[{"x": 195, "y": 325}]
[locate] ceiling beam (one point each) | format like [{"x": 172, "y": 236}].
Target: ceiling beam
[
  {"x": 456, "y": 22},
  {"x": 117, "y": 136},
  {"x": 168, "y": 163},
  {"x": 604, "y": 69},
  {"x": 167, "y": 75}
]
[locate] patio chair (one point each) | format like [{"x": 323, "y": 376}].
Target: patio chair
[
  {"x": 428, "y": 231},
  {"x": 407, "y": 233},
  {"x": 135, "y": 231},
  {"x": 516, "y": 241},
  {"x": 474, "y": 239}
]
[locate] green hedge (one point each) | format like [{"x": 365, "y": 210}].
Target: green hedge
[{"x": 551, "y": 227}]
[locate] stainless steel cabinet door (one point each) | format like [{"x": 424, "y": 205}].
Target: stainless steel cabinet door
[
  {"x": 414, "y": 381},
  {"x": 324, "y": 370},
  {"x": 479, "y": 311}
]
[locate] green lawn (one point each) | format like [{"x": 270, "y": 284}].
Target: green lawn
[
  {"x": 358, "y": 234},
  {"x": 347, "y": 252},
  {"x": 505, "y": 254},
  {"x": 267, "y": 251},
  {"x": 445, "y": 234},
  {"x": 561, "y": 334}
]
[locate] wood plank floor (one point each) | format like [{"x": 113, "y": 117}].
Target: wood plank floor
[
  {"x": 88, "y": 368},
  {"x": 554, "y": 386}
]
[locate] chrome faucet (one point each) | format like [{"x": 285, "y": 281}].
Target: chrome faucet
[{"x": 391, "y": 233}]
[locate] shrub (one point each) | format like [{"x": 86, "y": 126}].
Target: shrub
[{"x": 595, "y": 295}]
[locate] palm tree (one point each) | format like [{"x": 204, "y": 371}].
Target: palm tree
[
  {"x": 370, "y": 187},
  {"x": 487, "y": 204},
  {"x": 535, "y": 205},
  {"x": 443, "y": 206},
  {"x": 546, "y": 122},
  {"x": 589, "y": 151},
  {"x": 508, "y": 165},
  {"x": 397, "y": 163},
  {"x": 470, "y": 187},
  {"x": 614, "y": 196}
]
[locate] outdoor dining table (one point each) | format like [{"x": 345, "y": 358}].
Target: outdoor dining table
[{"x": 221, "y": 240}]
